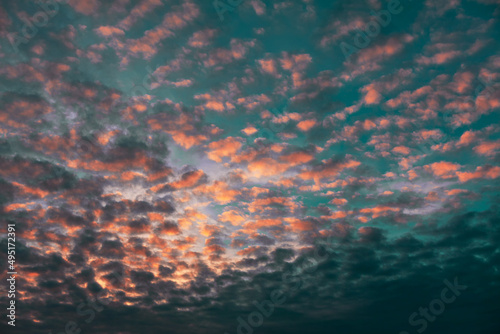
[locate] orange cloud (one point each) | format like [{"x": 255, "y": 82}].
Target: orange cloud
[
  {"x": 219, "y": 191},
  {"x": 368, "y": 125},
  {"x": 262, "y": 204},
  {"x": 223, "y": 148},
  {"x": 266, "y": 167},
  {"x": 215, "y": 105},
  {"x": 249, "y": 130},
  {"x": 142, "y": 8},
  {"x": 327, "y": 171},
  {"x": 372, "y": 96},
  {"x": 338, "y": 201},
  {"x": 268, "y": 66},
  {"x": 201, "y": 38},
  {"x": 154, "y": 216},
  {"x": 191, "y": 216},
  {"x": 443, "y": 169},
  {"x": 186, "y": 141},
  {"x": 188, "y": 180},
  {"x": 297, "y": 158},
  {"x": 130, "y": 175},
  {"x": 209, "y": 230},
  {"x": 454, "y": 192},
  {"x": 480, "y": 172},
  {"x": 379, "y": 210},
  {"x": 401, "y": 150},
  {"x": 306, "y": 125},
  {"x": 487, "y": 148},
  {"x": 462, "y": 82},
  {"x": 137, "y": 160},
  {"x": 86, "y": 7},
  {"x": 213, "y": 249},
  {"x": 439, "y": 58},
  {"x": 31, "y": 191},
  {"x": 335, "y": 215},
  {"x": 295, "y": 63},
  {"x": 107, "y": 31},
  {"x": 249, "y": 250},
  {"x": 260, "y": 223},
  {"x": 426, "y": 134},
  {"x": 159, "y": 175},
  {"x": 299, "y": 225},
  {"x": 392, "y": 46},
  {"x": 432, "y": 196},
  {"x": 232, "y": 216},
  {"x": 466, "y": 138}
]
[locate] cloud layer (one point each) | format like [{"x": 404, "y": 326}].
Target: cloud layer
[{"x": 167, "y": 171}]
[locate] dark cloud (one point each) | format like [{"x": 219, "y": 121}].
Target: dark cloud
[{"x": 355, "y": 189}]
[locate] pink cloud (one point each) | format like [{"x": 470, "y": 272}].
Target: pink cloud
[
  {"x": 467, "y": 138},
  {"x": 86, "y": 7},
  {"x": 401, "y": 150},
  {"x": 267, "y": 167},
  {"x": 139, "y": 11},
  {"x": 480, "y": 172},
  {"x": 268, "y": 66},
  {"x": 443, "y": 169},
  {"x": 201, "y": 38},
  {"x": 306, "y": 125},
  {"x": 249, "y": 130},
  {"x": 223, "y": 148},
  {"x": 487, "y": 148},
  {"x": 439, "y": 58},
  {"x": 372, "y": 96},
  {"x": 107, "y": 31},
  {"x": 382, "y": 52},
  {"x": 259, "y": 7}
]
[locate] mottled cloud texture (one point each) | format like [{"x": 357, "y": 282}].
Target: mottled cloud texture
[{"x": 165, "y": 168}]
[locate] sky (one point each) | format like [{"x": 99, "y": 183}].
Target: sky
[{"x": 251, "y": 166}]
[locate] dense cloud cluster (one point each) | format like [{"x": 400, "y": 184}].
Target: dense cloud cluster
[{"x": 169, "y": 172}]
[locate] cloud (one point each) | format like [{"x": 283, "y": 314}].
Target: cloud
[
  {"x": 443, "y": 169},
  {"x": 107, "y": 31},
  {"x": 174, "y": 169},
  {"x": 306, "y": 125},
  {"x": 85, "y": 7},
  {"x": 487, "y": 148},
  {"x": 223, "y": 148}
]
